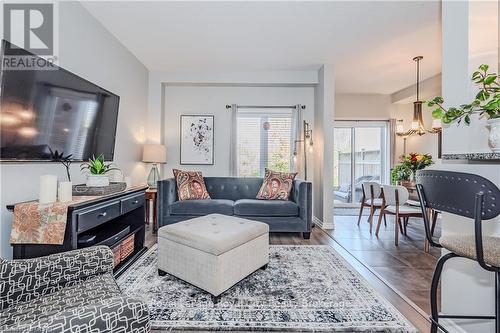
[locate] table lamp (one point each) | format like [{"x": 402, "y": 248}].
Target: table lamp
[{"x": 154, "y": 153}]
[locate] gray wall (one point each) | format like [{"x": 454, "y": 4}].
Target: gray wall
[{"x": 87, "y": 49}]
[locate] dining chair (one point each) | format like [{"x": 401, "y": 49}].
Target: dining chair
[
  {"x": 371, "y": 198},
  {"x": 469, "y": 196},
  {"x": 394, "y": 199}
]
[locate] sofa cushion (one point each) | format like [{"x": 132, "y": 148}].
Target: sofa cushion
[
  {"x": 202, "y": 207},
  {"x": 276, "y": 185},
  {"x": 254, "y": 207},
  {"x": 76, "y": 295},
  {"x": 190, "y": 185}
]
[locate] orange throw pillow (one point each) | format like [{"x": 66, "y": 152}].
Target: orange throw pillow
[
  {"x": 276, "y": 185},
  {"x": 190, "y": 185}
]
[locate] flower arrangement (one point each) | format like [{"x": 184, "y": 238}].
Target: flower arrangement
[
  {"x": 415, "y": 162},
  {"x": 400, "y": 173}
]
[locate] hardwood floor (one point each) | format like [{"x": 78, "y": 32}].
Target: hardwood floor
[
  {"x": 407, "y": 267},
  {"x": 332, "y": 238}
]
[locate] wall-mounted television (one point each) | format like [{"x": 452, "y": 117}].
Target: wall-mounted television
[{"x": 43, "y": 110}]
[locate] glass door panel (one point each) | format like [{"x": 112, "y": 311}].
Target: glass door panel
[
  {"x": 360, "y": 155},
  {"x": 342, "y": 165},
  {"x": 368, "y": 157}
]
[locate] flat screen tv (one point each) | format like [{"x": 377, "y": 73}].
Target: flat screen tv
[{"x": 43, "y": 110}]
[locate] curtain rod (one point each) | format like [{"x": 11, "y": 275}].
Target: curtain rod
[{"x": 303, "y": 107}]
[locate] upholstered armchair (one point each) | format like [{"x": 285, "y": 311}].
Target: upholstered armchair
[{"x": 67, "y": 292}]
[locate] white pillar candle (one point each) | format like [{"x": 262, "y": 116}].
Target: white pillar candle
[
  {"x": 65, "y": 192},
  {"x": 128, "y": 181},
  {"x": 48, "y": 189}
]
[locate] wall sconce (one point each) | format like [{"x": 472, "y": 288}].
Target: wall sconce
[{"x": 307, "y": 140}]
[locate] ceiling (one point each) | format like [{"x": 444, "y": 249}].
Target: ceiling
[{"x": 370, "y": 43}]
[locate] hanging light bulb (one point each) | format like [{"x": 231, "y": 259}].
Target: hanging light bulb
[
  {"x": 436, "y": 124},
  {"x": 399, "y": 126},
  {"x": 414, "y": 125}
]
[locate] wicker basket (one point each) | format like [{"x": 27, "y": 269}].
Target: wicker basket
[
  {"x": 116, "y": 254},
  {"x": 127, "y": 247}
]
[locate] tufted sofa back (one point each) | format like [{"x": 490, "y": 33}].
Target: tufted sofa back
[{"x": 233, "y": 188}]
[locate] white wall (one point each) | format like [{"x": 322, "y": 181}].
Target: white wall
[
  {"x": 363, "y": 107},
  {"x": 212, "y": 100},
  {"x": 90, "y": 51}
]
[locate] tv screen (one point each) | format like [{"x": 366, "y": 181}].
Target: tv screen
[{"x": 43, "y": 110}]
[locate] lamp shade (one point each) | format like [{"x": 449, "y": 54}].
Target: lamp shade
[{"x": 154, "y": 153}]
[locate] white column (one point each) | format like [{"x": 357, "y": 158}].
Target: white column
[
  {"x": 323, "y": 147},
  {"x": 470, "y": 37}
]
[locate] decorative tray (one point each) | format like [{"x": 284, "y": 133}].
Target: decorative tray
[{"x": 82, "y": 189}]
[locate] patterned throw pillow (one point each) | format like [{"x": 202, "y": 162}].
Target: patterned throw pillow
[
  {"x": 190, "y": 185},
  {"x": 276, "y": 185}
]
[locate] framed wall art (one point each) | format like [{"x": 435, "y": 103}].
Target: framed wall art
[{"x": 197, "y": 139}]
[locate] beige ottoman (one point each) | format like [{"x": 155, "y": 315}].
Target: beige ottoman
[{"x": 213, "y": 252}]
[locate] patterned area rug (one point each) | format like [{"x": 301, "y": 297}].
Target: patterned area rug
[{"x": 305, "y": 288}]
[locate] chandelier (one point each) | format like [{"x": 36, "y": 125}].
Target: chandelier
[{"x": 417, "y": 124}]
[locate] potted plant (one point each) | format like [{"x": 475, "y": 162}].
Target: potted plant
[
  {"x": 414, "y": 162},
  {"x": 486, "y": 104},
  {"x": 97, "y": 171},
  {"x": 400, "y": 173},
  {"x": 64, "y": 160}
]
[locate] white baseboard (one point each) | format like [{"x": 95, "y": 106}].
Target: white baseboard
[{"x": 321, "y": 224}]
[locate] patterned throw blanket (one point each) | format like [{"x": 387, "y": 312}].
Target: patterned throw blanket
[{"x": 36, "y": 223}]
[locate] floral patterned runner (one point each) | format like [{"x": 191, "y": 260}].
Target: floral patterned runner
[{"x": 36, "y": 223}]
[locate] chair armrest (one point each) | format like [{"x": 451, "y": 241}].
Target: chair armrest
[
  {"x": 23, "y": 280},
  {"x": 116, "y": 314},
  {"x": 302, "y": 196},
  {"x": 167, "y": 195}
]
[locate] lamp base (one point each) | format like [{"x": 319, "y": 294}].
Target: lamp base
[{"x": 154, "y": 176}]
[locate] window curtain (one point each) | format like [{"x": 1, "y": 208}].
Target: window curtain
[
  {"x": 233, "y": 146},
  {"x": 392, "y": 143}
]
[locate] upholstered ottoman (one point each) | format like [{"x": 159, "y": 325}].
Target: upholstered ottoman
[{"x": 213, "y": 252}]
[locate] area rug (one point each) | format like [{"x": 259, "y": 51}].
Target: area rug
[{"x": 304, "y": 288}]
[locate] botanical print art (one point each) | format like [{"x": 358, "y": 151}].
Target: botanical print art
[{"x": 197, "y": 139}]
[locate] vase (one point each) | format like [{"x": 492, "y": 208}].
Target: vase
[
  {"x": 97, "y": 180},
  {"x": 494, "y": 137},
  {"x": 65, "y": 192}
]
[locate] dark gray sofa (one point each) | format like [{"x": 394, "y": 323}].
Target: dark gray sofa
[{"x": 236, "y": 196}]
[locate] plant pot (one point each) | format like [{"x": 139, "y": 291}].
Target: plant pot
[
  {"x": 97, "y": 180},
  {"x": 494, "y": 137}
]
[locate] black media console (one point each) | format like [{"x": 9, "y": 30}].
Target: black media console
[{"x": 108, "y": 220}]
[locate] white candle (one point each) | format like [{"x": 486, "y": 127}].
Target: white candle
[
  {"x": 65, "y": 192},
  {"x": 128, "y": 181},
  {"x": 48, "y": 189}
]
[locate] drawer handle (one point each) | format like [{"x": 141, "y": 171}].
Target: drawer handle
[
  {"x": 103, "y": 214},
  {"x": 135, "y": 202}
]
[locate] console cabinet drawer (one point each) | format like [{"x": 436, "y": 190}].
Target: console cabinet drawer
[
  {"x": 132, "y": 203},
  {"x": 97, "y": 216}
]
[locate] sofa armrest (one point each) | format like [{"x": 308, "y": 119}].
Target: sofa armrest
[
  {"x": 302, "y": 196},
  {"x": 23, "y": 280},
  {"x": 167, "y": 195},
  {"x": 116, "y": 314}
]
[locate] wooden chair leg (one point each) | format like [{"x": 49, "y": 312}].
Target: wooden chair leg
[
  {"x": 372, "y": 211},
  {"x": 371, "y": 219},
  {"x": 406, "y": 219},
  {"x": 360, "y": 213},
  {"x": 396, "y": 230},
  {"x": 385, "y": 221},
  {"x": 379, "y": 222}
]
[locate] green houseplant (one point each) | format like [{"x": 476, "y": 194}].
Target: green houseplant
[
  {"x": 486, "y": 104},
  {"x": 400, "y": 173},
  {"x": 97, "y": 171}
]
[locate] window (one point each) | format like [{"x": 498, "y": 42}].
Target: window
[{"x": 265, "y": 139}]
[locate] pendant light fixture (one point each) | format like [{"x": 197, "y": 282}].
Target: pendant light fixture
[{"x": 417, "y": 124}]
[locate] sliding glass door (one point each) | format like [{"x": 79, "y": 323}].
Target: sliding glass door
[{"x": 360, "y": 154}]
